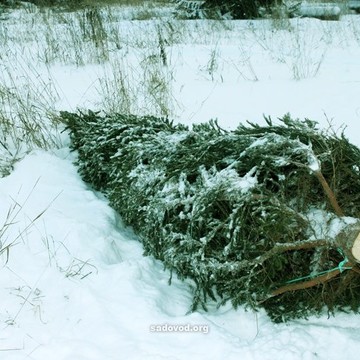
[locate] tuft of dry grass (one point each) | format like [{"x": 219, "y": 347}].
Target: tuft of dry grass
[{"x": 137, "y": 63}]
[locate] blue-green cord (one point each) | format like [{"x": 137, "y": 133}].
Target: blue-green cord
[{"x": 340, "y": 267}]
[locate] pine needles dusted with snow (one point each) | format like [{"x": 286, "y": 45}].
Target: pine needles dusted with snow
[{"x": 263, "y": 216}]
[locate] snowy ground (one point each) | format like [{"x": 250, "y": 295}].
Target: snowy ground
[{"x": 74, "y": 284}]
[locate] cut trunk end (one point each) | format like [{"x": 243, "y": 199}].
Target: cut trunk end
[{"x": 355, "y": 251}]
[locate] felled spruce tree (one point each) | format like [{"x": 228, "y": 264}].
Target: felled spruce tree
[{"x": 263, "y": 216}]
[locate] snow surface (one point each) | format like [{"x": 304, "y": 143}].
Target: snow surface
[
  {"x": 75, "y": 284},
  {"x": 78, "y": 287}
]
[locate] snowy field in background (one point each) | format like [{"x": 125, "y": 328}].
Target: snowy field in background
[{"x": 75, "y": 285}]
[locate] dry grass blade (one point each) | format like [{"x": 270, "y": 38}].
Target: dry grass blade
[{"x": 11, "y": 219}]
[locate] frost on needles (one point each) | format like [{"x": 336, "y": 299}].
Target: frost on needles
[{"x": 262, "y": 216}]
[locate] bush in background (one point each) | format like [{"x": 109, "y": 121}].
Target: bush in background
[
  {"x": 240, "y": 9},
  {"x": 235, "y": 9}
]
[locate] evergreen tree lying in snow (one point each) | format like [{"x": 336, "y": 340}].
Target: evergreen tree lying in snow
[{"x": 263, "y": 216}]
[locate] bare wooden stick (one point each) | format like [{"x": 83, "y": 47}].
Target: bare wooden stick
[
  {"x": 310, "y": 283},
  {"x": 329, "y": 193}
]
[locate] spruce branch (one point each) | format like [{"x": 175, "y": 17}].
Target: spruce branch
[{"x": 281, "y": 248}]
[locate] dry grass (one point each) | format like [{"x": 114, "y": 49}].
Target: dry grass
[{"x": 137, "y": 65}]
